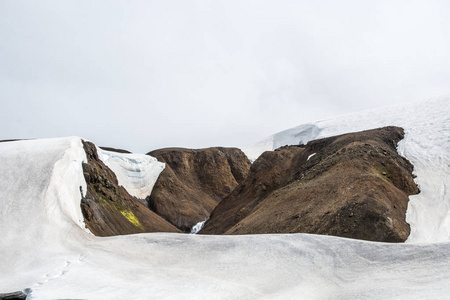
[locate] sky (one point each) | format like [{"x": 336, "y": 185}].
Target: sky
[{"x": 143, "y": 75}]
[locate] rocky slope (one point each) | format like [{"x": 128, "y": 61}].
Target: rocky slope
[
  {"x": 194, "y": 182},
  {"x": 355, "y": 185},
  {"x": 108, "y": 208}
]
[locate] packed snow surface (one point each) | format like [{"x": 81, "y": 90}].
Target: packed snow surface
[
  {"x": 137, "y": 173},
  {"x": 45, "y": 246},
  {"x": 426, "y": 145}
]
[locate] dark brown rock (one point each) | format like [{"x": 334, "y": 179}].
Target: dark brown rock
[
  {"x": 114, "y": 149},
  {"x": 356, "y": 186},
  {"x": 194, "y": 181},
  {"x": 108, "y": 209},
  {"x": 270, "y": 171},
  {"x": 19, "y": 295},
  {"x": 13, "y": 140}
]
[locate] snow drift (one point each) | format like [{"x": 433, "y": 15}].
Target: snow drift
[
  {"x": 137, "y": 173},
  {"x": 46, "y": 247}
]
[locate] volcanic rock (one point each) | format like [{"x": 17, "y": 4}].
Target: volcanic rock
[
  {"x": 355, "y": 185},
  {"x": 108, "y": 208},
  {"x": 11, "y": 140},
  {"x": 114, "y": 149},
  {"x": 194, "y": 182},
  {"x": 19, "y": 295}
]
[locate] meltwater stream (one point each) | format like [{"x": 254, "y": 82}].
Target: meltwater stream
[{"x": 197, "y": 227}]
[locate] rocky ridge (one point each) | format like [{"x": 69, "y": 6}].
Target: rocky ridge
[
  {"x": 108, "y": 209},
  {"x": 355, "y": 185},
  {"x": 194, "y": 182}
]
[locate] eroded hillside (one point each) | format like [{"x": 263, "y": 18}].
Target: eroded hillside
[
  {"x": 194, "y": 182},
  {"x": 354, "y": 185},
  {"x": 108, "y": 209}
]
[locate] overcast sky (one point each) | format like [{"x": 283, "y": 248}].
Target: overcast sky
[{"x": 143, "y": 75}]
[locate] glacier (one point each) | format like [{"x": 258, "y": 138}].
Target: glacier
[{"x": 46, "y": 247}]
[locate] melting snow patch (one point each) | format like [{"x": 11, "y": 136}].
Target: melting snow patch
[
  {"x": 137, "y": 173},
  {"x": 311, "y": 156}
]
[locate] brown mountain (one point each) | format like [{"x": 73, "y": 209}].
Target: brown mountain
[
  {"x": 108, "y": 209},
  {"x": 355, "y": 185},
  {"x": 194, "y": 182}
]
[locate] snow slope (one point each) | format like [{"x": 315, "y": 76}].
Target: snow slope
[
  {"x": 426, "y": 145},
  {"x": 39, "y": 205},
  {"x": 137, "y": 173},
  {"x": 44, "y": 245}
]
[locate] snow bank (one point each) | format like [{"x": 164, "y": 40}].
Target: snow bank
[
  {"x": 294, "y": 136},
  {"x": 298, "y": 266},
  {"x": 426, "y": 145},
  {"x": 137, "y": 173},
  {"x": 40, "y": 197}
]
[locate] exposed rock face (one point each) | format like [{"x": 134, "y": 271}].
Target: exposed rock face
[
  {"x": 114, "y": 149},
  {"x": 194, "y": 181},
  {"x": 13, "y": 140},
  {"x": 108, "y": 209},
  {"x": 356, "y": 185},
  {"x": 20, "y": 295}
]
